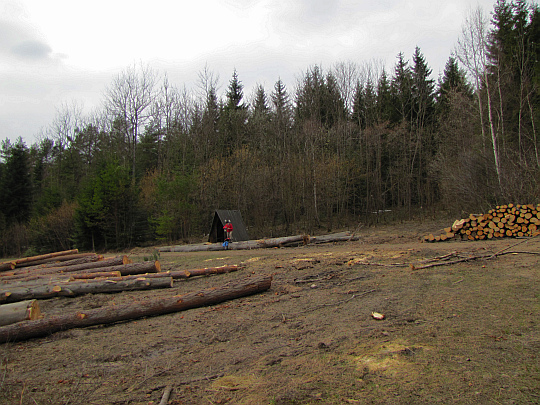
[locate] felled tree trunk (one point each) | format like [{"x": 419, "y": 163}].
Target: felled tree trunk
[
  {"x": 59, "y": 278},
  {"x": 73, "y": 289},
  {"x": 262, "y": 243},
  {"x": 103, "y": 265},
  {"x": 64, "y": 258},
  {"x": 19, "y": 311},
  {"x": 249, "y": 244},
  {"x": 71, "y": 262},
  {"x": 24, "y": 261},
  {"x": 334, "y": 237},
  {"x": 134, "y": 310},
  {"x": 97, "y": 274},
  {"x": 177, "y": 274}
]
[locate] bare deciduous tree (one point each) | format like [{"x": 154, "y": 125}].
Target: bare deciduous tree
[
  {"x": 471, "y": 51},
  {"x": 129, "y": 98},
  {"x": 67, "y": 120}
]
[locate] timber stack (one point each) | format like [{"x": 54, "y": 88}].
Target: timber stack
[{"x": 500, "y": 222}]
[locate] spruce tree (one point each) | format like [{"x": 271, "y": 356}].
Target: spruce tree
[
  {"x": 233, "y": 118},
  {"x": 16, "y": 183},
  {"x": 359, "y": 107},
  {"x": 281, "y": 114},
  {"x": 235, "y": 93},
  {"x": 423, "y": 91},
  {"x": 453, "y": 81},
  {"x": 385, "y": 107},
  {"x": 401, "y": 91}
]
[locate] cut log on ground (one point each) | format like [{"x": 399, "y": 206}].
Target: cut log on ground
[
  {"x": 249, "y": 244},
  {"x": 136, "y": 268},
  {"x": 19, "y": 311},
  {"x": 134, "y": 310},
  {"x": 55, "y": 259},
  {"x": 97, "y": 274},
  {"x": 73, "y": 289},
  {"x": 178, "y": 274},
  {"x": 71, "y": 262},
  {"x": 262, "y": 243},
  {"x": 334, "y": 237},
  {"x": 24, "y": 261},
  {"x": 116, "y": 276},
  {"x": 59, "y": 278},
  {"x": 102, "y": 265}
]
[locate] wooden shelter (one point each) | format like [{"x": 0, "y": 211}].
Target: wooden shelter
[{"x": 217, "y": 234}]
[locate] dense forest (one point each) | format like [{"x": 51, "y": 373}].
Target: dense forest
[{"x": 340, "y": 146}]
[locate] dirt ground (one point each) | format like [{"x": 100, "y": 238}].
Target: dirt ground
[{"x": 467, "y": 333}]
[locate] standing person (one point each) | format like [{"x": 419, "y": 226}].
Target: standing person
[{"x": 228, "y": 228}]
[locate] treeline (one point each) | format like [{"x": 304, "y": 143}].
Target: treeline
[{"x": 155, "y": 160}]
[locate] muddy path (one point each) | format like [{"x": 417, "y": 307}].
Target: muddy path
[{"x": 466, "y": 333}]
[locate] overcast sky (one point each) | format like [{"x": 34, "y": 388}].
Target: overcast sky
[{"x": 59, "y": 51}]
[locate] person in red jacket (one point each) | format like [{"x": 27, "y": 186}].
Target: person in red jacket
[{"x": 228, "y": 228}]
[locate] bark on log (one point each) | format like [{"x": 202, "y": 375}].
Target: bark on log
[
  {"x": 98, "y": 274},
  {"x": 72, "y": 289},
  {"x": 19, "y": 311},
  {"x": 20, "y": 262},
  {"x": 55, "y": 259},
  {"x": 334, "y": 237},
  {"x": 136, "y": 268},
  {"x": 250, "y": 244},
  {"x": 261, "y": 243},
  {"x": 134, "y": 310},
  {"x": 71, "y": 262},
  {"x": 178, "y": 274},
  {"x": 5, "y": 266},
  {"x": 29, "y": 274},
  {"x": 62, "y": 278}
]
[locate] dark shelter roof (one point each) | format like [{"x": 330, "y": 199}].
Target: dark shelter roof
[{"x": 217, "y": 234}]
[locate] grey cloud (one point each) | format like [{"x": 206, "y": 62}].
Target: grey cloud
[
  {"x": 32, "y": 49},
  {"x": 21, "y": 41}
]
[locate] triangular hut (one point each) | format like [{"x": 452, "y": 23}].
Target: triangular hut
[{"x": 217, "y": 234}]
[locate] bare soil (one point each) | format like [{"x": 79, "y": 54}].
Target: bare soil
[{"x": 467, "y": 333}]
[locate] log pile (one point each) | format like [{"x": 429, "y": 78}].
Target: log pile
[
  {"x": 500, "y": 222},
  {"x": 54, "y": 257},
  {"x": 117, "y": 313},
  {"x": 69, "y": 274}
]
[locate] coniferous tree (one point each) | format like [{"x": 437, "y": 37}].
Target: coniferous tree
[
  {"x": 385, "y": 108},
  {"x": 333, "y": 109},
  {"x": 282, "y": 113},
  {"x": 233, "y": 117},
  {"x": 401, "y": 89},
  {"x": 453, "y": 81},
  {"x": 359, "y": 107},
  {"x": 16, "y": 182},
  {"x": 423, "y": 91},
  {"x": 259, "y": 120}
]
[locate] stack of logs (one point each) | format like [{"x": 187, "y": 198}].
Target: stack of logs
[
  {"x": 69, "y": 274},
  {"x": 502, "y": 221},
  {"x": 62, "y": 275}
]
